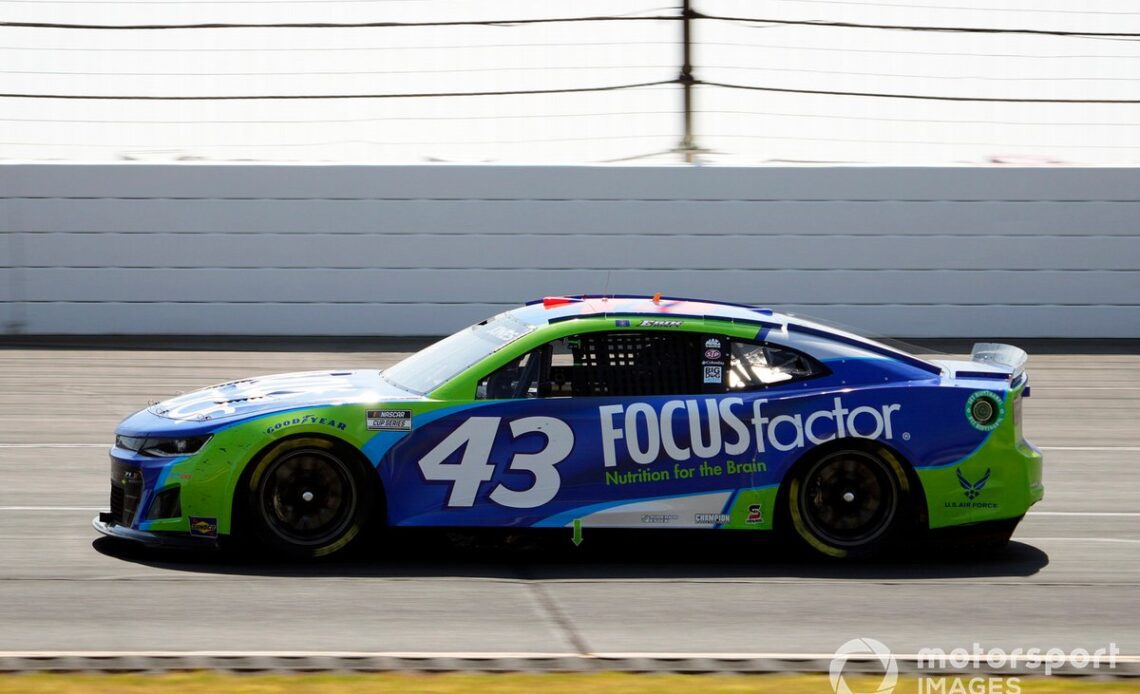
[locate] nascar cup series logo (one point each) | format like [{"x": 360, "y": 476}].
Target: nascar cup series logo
[{"x": 869, "y": 651}]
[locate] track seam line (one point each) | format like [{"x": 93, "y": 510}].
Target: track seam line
[{"x": 559, "y": 617}]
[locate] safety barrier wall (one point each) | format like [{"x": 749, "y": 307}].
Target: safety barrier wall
[{"x": 422, "y": 250}]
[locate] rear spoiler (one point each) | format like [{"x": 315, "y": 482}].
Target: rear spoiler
[{"x": 1008, "y": 356}]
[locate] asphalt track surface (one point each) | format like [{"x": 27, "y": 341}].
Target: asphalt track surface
[{"x": 1070, "y": 579}]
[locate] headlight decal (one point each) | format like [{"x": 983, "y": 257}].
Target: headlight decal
[{"x": 165, "y": 447}]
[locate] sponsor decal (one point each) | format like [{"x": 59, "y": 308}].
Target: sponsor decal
[
  {"x": 307, "y": 419},
  {"x": 712, "y": 343},
  {"x": 712, "y": 354},
  {"x": 203, "y": 527},
  {"x": 622, "y": 322},
  {"x": 972, "y": 490},
  {"x": 661, "y": 323},
  {"x": 985, "y": 410},
  {"x": 679, "y": 472},
  {"x": 713, "y": 374},
  {"x": 707, "y": 441},
  {"x": 389, "y": 420},
  {"x": 659, "y": 518},
  {"x": 505, "y": 333},
  {"x": 755, "y": 514},
  {"x": 226, "y": 400},
  {"x": 710, "y": 518},
  {"x": 717, "y": 427}
]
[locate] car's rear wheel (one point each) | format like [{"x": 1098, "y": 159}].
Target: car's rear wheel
[
  {"x": 308, "y": 498},
  {"x": 848, "y": 503}
]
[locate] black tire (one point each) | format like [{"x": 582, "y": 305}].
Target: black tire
[
  {"x": 308, "y": 498},
  {"x": 849, "y": 503}
]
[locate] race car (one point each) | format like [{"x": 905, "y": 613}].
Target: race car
[{"x": 591, "y": 412}]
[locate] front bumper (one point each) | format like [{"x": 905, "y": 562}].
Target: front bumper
[{"x": 106, "y": 524}]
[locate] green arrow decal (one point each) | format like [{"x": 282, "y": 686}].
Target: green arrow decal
[{"x": 577, "y": 531}]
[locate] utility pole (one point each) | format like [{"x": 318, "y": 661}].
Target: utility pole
[{"x": 688, "y": 147}]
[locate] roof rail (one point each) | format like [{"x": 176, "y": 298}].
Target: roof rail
[{"x": 648, "y": 297}]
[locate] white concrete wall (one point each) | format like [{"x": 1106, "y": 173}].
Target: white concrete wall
[{"x": 423, "y": 250}]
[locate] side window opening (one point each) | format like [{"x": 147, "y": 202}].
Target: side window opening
[
  {"x": 625, "y": 364},
  {"x": 630, "y": 364},
  {"x": 606, "y": 364},
  {"x": 521, "y": 378},
  {"x": 753, "y": 365}
]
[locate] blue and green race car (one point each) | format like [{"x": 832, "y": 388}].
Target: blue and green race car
[{"x": 593, "y": 412}]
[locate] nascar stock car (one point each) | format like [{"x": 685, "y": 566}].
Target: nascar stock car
[{"x": 593, "y": 412}]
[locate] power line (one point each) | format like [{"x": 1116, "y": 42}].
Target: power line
[
  {"x": 298, "y": 49},
  {"x": 311, "y": 97},
  {"x": 599, "y": 114},
  {"x": 983, "y": 78},
  {"x": 924, "y": 121},
  {"x": 640, "y": 136},
  {"x": 616, "y": 87},
  {"x": 1017, "y": 10},
  {"x": 869, "y": 51},
  {"x": 544, "y": 68},
  {"x": 909, "y": 27},
  {"x": 337, "y": 25},
  {"x": 326, "y": 143},
  {"x": 551, "y": 68},
  {"x": 924, "y": 97},
  {"x": 313, "y": 121},
  {"x": 437, "y": 47},
  {"x": 943, "y": 143},
  {"x": 559, "y": 20}
]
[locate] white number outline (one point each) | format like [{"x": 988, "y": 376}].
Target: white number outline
[
  {"x": 547, "y": 481},
  {"x": 477, "y": 437}
]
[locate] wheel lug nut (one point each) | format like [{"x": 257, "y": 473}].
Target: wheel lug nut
[
  {"x": 307, "y": 496},
  {"x": 847, "y": 496}
]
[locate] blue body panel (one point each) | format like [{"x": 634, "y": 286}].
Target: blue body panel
[{"x": 706, "y": 443}]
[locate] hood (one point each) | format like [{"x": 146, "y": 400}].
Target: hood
[{"x": 256, "y": 396}]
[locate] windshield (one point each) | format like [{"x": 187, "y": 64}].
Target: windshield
[{"x": 433, "y": 366}]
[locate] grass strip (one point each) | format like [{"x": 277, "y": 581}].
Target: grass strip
[{"x": 205, "y": 682}]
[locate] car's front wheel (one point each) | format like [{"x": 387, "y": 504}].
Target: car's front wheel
[
  {"x": 308, "y": 498},
  {"x": 848, "y": 503}
]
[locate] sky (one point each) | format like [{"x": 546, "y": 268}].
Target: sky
[{"x": 731, "y": 126}]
